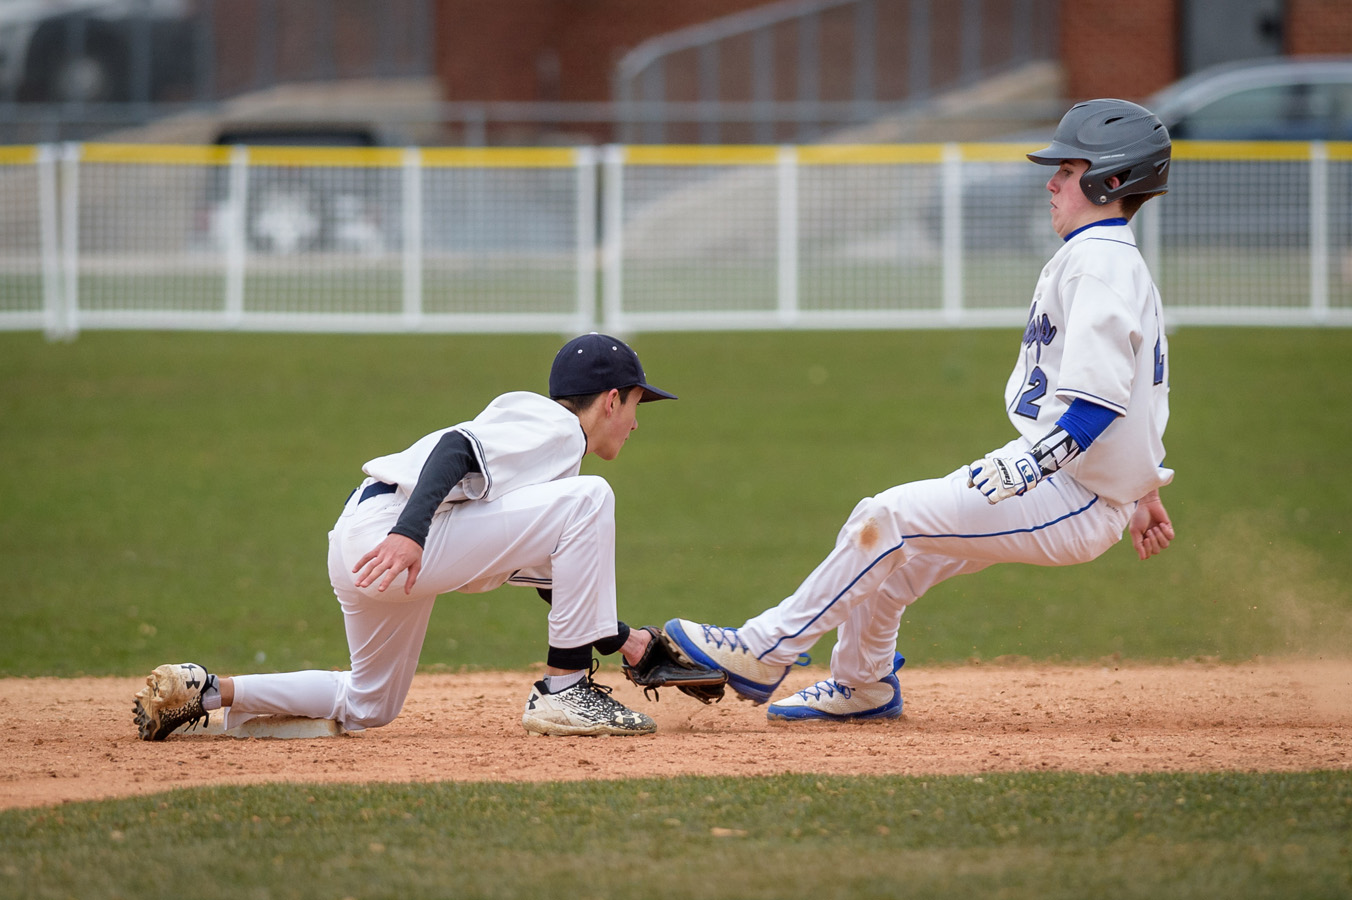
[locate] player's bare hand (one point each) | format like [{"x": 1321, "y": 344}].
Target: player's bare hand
[
  {"x": 1151, "y": 530},
  {"x": 390, "y": 557},
  {"x": 1002, "y": 477}
]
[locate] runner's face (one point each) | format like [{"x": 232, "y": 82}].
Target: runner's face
[{"x": 1071, "y": 209}]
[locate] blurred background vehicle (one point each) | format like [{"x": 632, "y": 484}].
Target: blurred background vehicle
[
  {"x": 117, "y": 69},
  {"x": 295, "y": 209},
  {"x": 1302, "y": 99},
  {"x": 358, "y": 209},
  {"x": 1276, "y": 99},
  {"x": 95, "y": 51}
]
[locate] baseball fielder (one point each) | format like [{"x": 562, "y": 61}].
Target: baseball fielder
[
  {"x": 1089, "y": 400},
  {"x": 494, "y": 500}
]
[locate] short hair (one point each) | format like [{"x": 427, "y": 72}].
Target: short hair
[
  {"x": 1132, "y": 203},
  {"x": 580, "y": 403}
]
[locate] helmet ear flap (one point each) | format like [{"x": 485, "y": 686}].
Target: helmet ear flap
[{"x": 1098, "y": 187}]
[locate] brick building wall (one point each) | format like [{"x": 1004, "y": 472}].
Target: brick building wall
[
  {"x": 1318, "y": 26},
  {"x": 533, "y": 50},
  {"x": 1112, "y": 49},
  {"x": 545, "y": 50},
  {"x": 1132, "y": 50}
]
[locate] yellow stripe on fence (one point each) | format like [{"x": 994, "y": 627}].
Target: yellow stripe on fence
[
  {"x": 1242, "y": 151},
  {"x": 644, "y": 155},
  {"x": 989, "y": 153},
  {"x": 18, "y": 155},
  {"x": 499, "y": 157},
  {"x": 328, "y": 157},
  {"x": 869, "y": 154},
  {"x": 882, "y": 154},
  {"x": 819, "y": 154},
  {"x": 156, "y": 154},
  {"x": 1340, "y": 150},
  {"x": 345, "y": 157},
  {"x": 701, "y": 155}
]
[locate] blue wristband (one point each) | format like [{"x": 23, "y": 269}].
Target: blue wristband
[{"x": 1085, "y": 421}]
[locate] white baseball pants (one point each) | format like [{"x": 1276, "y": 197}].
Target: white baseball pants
[
  {"x": 898, "y": 544},
  {"x": 558, "y": 535}
]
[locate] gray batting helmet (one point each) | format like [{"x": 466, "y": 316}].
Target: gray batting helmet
[{"x": 1117, "y": 138}]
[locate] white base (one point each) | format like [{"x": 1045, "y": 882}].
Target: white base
[{"x": 280, "y": 727}]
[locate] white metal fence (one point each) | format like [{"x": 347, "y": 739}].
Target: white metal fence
[{"x": 632, "y": 238}]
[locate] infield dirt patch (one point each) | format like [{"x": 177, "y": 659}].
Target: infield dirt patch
[{"x": 73, "y": 739}]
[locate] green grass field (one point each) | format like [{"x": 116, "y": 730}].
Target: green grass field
[
  {"x": 167, "y": 496},
  {"x": 1044, "y": 836}
]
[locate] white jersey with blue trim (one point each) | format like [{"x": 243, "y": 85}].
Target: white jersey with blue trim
[
  {"x": 520, "y": 439},
  {"x": 1096, "y": 331}
]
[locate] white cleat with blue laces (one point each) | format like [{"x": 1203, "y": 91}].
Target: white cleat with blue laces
[
  {"x": 827, "y": 701},
  {"x": 723, "y": 648}
]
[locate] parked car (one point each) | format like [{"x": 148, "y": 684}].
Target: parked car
[
  {"x": 1279, "y": 99},
  {"x": 1282, "y": 99},
  {"x": 298, "y": 209},
  {"x": 359, "y": 210},
  {"x": 62, "y": 51}
]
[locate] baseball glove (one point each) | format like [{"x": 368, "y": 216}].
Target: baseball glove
[
  {"x": 171, "y": 698},
  {"x": 665, "y": 665}
]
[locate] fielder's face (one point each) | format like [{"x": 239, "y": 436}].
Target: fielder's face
[
  {"x": 612, "y": 423},
  {"x": 1071, "y": 209}
]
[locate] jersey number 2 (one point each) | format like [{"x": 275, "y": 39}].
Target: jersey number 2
[{"x": 1037, "y": 389}]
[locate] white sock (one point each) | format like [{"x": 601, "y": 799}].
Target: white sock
[{"x": 556, "y": 683}]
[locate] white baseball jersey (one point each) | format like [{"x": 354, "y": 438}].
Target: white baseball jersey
[
  {"x": 1096, "y": 331},
  {"x": 520, "y": 438},
  {"x": 527, "y": 517}
]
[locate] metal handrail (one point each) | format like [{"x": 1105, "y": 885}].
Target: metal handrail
[{"x": 638, "y": 59}]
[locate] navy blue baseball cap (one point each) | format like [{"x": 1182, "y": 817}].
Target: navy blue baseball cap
[{"x": 594, "y": 363}]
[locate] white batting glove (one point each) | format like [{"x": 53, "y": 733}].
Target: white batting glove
[{"x": 1002, "y": 477}]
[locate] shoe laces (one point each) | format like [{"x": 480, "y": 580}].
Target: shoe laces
[
  {"x": 720, "y": 636},
  {"x": 204, "y": 719},
  {"x": 825, "y": 688},
  {"x": 591, "y": 682}
]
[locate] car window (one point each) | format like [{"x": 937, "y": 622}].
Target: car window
[
  {"x": 1285, "y": 112},
  {"x": 299, "y": 138},
  {"x": 1341, "y": 116}
]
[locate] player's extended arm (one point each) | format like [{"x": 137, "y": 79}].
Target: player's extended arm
[
  {"x": 1002, "y": 477},
  {"x": 1151, "y": 530},
  {"x": 401, "y": 550}
]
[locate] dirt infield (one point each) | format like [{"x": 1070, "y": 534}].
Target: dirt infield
[{"x": 72, "y": 739}]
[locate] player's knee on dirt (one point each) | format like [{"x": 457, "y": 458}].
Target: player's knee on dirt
[
  {"x": 369, "y": 710},
  {"x": 372, "y": 718}
]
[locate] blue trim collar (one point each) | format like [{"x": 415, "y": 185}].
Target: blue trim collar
[{"x": 1116, "y": 221}]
